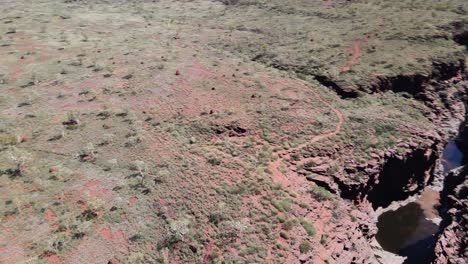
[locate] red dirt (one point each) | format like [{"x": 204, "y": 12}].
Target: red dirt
[
  {"x": 53, "y": 258},
  {"x": 294, "y": 183},
  {"x": 50, "y": 215},
  {"x": 355, "y": 53},
  {"x": 208, "y": 251},
  {"x": 317, "y": 137}
]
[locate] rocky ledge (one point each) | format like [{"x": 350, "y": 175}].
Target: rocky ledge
[{"x": 452, "y": 241}]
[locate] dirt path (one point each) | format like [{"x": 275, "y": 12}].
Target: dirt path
[
  {"x": 355, "y": 54},
  {"x": 285, "y": 153},
  {"x": 356, "y": 45},
  {"x": 295, "y": 184},
  {"x": 326, "y": 135}
]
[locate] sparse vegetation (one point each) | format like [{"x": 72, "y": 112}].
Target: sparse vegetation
[
  {"x": 308, "y": 227},
  {"x": 283, "y": 205},
  {"x": 171, "y": 131},
  {"x": 8, "y": 139},
  {"x": 323, "y": 239},
  {"x": 321, "y": 194}
]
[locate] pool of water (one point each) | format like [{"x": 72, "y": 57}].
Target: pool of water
[
  {"x": 452, "y": 156},
  {"x": 410, "y": 230}
]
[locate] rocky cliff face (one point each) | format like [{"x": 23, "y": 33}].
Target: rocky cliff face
[
  {"x": 460, "y": 32},
  {"x": 452, "y": 242},
  {"x": 393, "y": 174},
  {"x": 403, "y": 174},
  {"x": 417, "y": 84},
  {"x": 397, "y": 174}
]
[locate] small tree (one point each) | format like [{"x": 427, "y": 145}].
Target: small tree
[
  {"x": 142, "y": 169},
  {"x": 19, "y": 159}
]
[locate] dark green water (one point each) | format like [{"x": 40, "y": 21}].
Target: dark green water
[{"x": 407, "y": 232}]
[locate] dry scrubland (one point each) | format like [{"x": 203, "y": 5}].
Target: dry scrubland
[{"x": 189, "y": 131}]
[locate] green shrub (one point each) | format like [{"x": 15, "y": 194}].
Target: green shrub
[
  {"x": 284, "y": 235},
  {"x": 304, "y": 247},
  {"x": 288, "y": 225},
  {"x": 8, "y": 139},
  {"x": 321, "y": 194},
  {"x": 308, "y": 227},
  {"x": 281, "y": 219},
  {"x": 282, "y": 205},
  {"x": 214, "y": 161},
  {"x": 323, "y": 239}
]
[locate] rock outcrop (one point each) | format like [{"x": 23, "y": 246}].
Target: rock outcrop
[
  {"x": 417, "y": 84},
  {"x": 460, "y": 32},
  {"x": 451, "y": 246},
  {"x": 395, "y": 175},
  {"x": 452, "y": 242},
  {"x": 403, "y": 174}
]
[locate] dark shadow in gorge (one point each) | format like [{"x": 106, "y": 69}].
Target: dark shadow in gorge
[{"x": 401, "y": 178}]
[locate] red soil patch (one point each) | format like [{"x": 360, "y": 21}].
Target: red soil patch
[
  {"x": 91, "y": 184},
  {"x": 50, "y": 215},
  {"x": 208, "y": 251},
  {"x": 115, "y": 237},
  {"x": 53, "y": 258},
  {"x": 102, "y": 248},
  {"x": 12, "y": 254}
]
